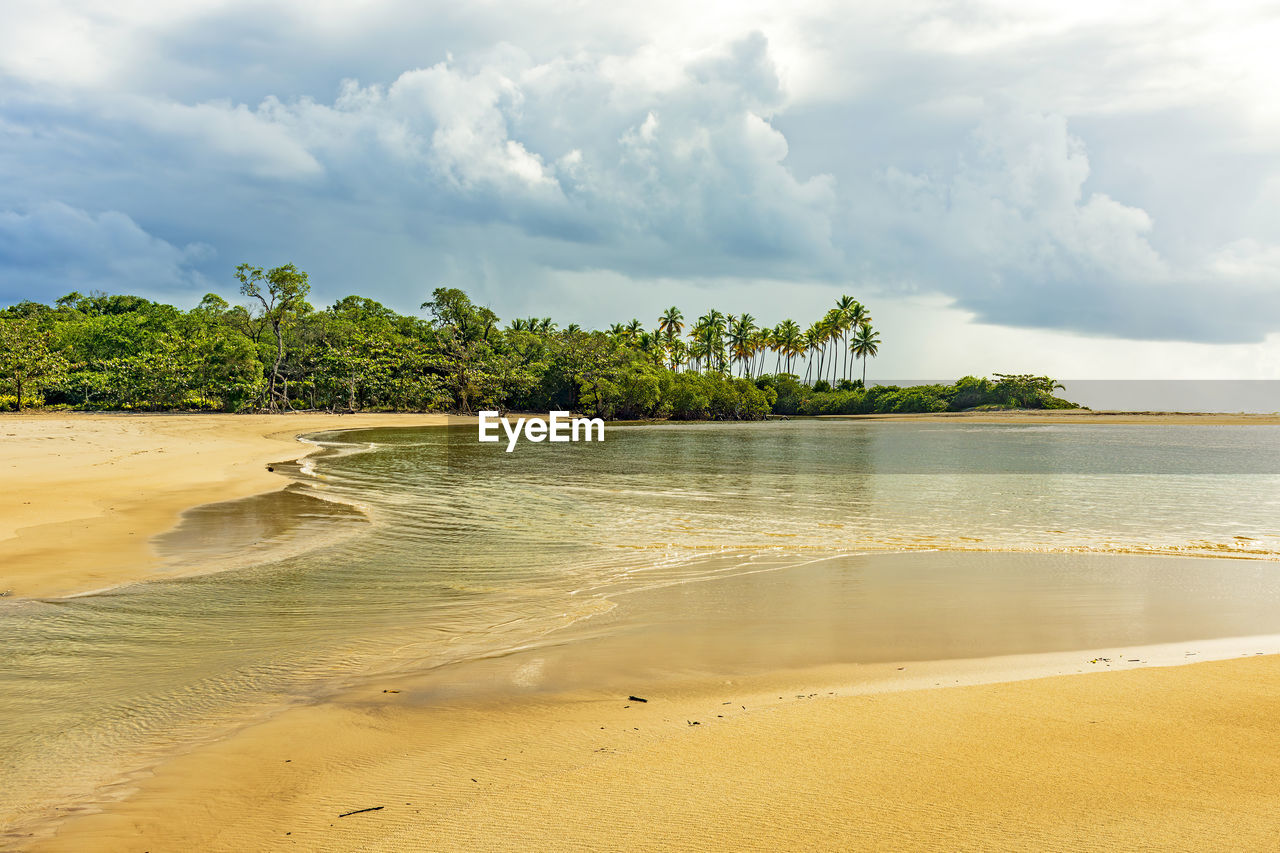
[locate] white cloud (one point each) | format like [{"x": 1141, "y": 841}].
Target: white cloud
[
  {"x": 694, "y": 173},
  {"x": 1040, "y": 165},
  {"x": 1012, "y": 233}
]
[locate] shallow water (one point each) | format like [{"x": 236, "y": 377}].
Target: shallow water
[{"x": 465, "y": 551}]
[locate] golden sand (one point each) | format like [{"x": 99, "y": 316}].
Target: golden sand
[
  {"x": 1179, "y": 758},
  {"x": 1171, "y": 759},
  {"x": 85, "y": 493}
]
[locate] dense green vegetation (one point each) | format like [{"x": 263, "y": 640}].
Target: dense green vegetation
[
  {"x": 278, "y": 353},
  {"x": 1007, "y": 392}
]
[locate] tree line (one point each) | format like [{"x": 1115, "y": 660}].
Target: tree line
[{"x": 276, "y": 352}]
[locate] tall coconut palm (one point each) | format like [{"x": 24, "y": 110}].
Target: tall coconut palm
[
  {"x": 702, "y": 347},
  {"x": 813, "y": 338},
  {"x": 760, "y": 342},
  {"x": 651, "y": 345},
  {"x": 709, "y": 332},
  {"x": 789, "y": 341},
  {"x": 866, "y": 344},
  {"x": 740, "y": 331},
  {"x": 844, "y": 305},
  {"x": 671, "y": 323},
  {"x": 679, "y": 353},
  {"x": 670, "y": 326},
  {"x": 833, "y": 323},
  {"x": 855, "y": 317},
  {"x": 776, "y": 338}
]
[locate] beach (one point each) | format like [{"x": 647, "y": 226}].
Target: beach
[
  {"x": 92, "y": 489},
  {"x": 547, "y": 745},
  {"x": 88, "y": 491},
  {"x": 1176, "y": 758}
]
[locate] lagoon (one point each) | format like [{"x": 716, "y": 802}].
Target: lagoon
[{"x": 716, "y": 547}]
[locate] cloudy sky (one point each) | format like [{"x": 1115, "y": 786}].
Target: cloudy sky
[{"x": 1086, "y": 189}]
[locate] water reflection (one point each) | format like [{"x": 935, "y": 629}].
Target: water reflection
[{"x": 456, "y": 550}]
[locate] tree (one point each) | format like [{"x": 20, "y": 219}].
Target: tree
[
  {"x": 852, "y": 315},
  {"x": 740, "y": 332},
  {"x": 866, "y": 344},
  {"x": 27, "y": 359},
  {"x": 1025, "y": 391},
  {"x": 286, "y": 290},
  {"x": 670, "y": 326},
  {"x": 465, "y": 332}
]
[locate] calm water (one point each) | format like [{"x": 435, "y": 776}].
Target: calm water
[{"x": 460, "y": 550}]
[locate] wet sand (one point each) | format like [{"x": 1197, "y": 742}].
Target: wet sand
[
  {"x": 839, "y": 757},
  {"x": 544, "y": 749},
  {"x": 85, "y": 493}
]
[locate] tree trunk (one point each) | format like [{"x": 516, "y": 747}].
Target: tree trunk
[{"x": 276, "y": 378}]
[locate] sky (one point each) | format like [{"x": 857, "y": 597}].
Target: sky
[{"x": 1083, "y": 189}]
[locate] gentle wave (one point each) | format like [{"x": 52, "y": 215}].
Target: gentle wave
[{"x": 433, "y": 550}]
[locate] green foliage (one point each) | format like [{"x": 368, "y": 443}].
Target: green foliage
[
  {"x": 29, "y": 360},
  {"x": 968, "y": 393},
  {"x": 107, "y": 351},
  {"x": 282, "y": 292}
]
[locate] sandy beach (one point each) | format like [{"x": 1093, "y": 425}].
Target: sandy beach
[
  {"x": 1177, "y": 758},
  {"x": 547, "y": 749},
  {"x": 87, "y": 492}
]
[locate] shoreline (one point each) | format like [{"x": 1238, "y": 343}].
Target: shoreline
[
  {"x": 839, "y": 745},
  {"x": 90, "y": 503},
  {"x": 854, "y": 754},
  {"x": 92, "y": 491}
]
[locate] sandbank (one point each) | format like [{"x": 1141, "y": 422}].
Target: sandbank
[
  {"x": 1177, "y": 758},
  {"x": 85, "y": 493}
]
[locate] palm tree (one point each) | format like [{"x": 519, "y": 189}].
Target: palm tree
[
  {"x": 671, "y": 325},
  {"x": 679, "y": 353},
  {"x": 773, "y": 339},
  {"x": 834, "y": 325},
  {"x": 761, "y": 340},
  {"x": 865, "y": 343},
  {"x": 709, "y": 333},
  {"x": 740, "y": 332},
  {"x": 789, "y": 340},
  {"x": 651, "y": 345},
  {"x": 855, "y": 316},
  {"x": 844, "y": 306},
  {"x": 813, "y": 338},
  {"x": 635, "y": 327}
]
